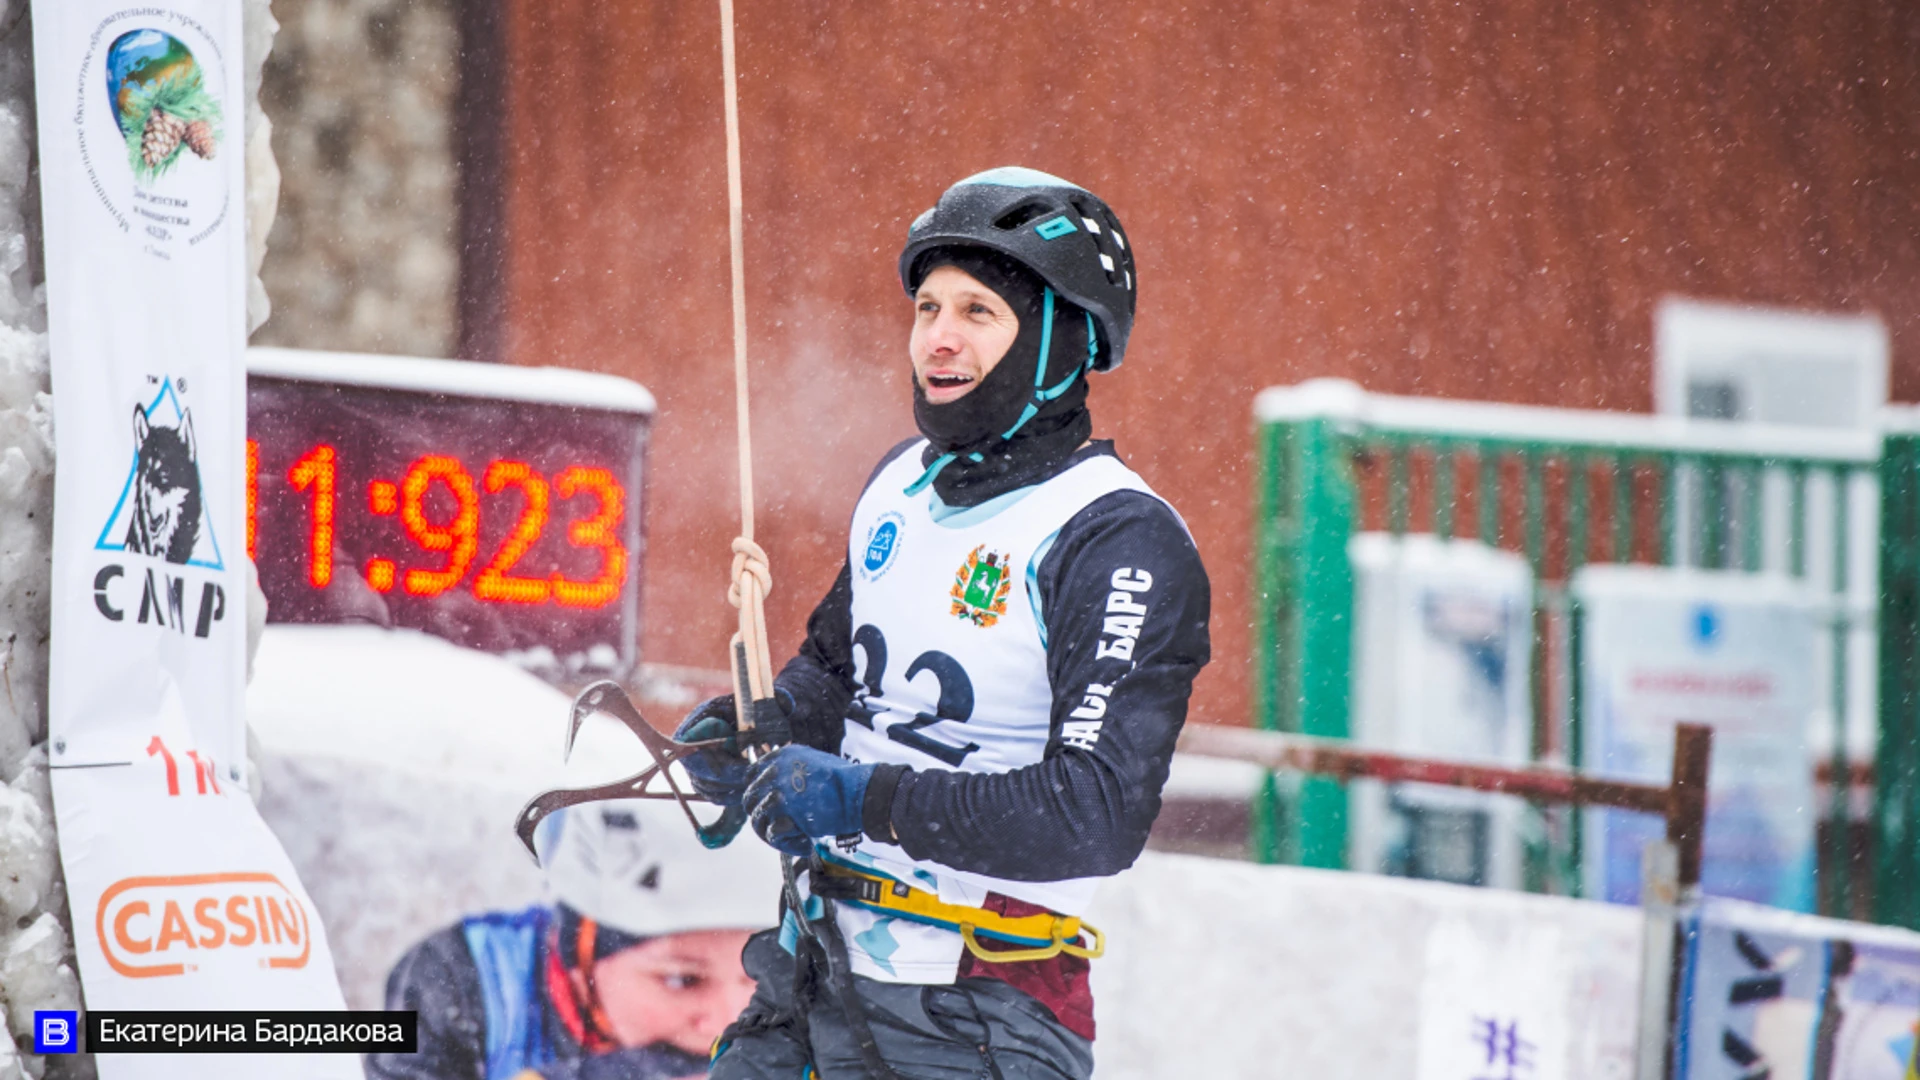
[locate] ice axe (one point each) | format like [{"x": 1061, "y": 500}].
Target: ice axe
[
  {"x": 760, "y": 723},
  {"x": 607, "y": 697}
]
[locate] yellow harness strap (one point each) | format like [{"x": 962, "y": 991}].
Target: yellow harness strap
[{"x": 1046, "y": 935}]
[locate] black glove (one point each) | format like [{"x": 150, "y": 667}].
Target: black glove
[
  {"x": 799, "y": 794},
  {"x": 719, "y": 773}
]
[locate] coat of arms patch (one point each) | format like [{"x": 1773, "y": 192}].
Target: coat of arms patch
[{"x": 980, "y": 587}]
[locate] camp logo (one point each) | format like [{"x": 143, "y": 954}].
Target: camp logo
[
  {"x": 162, "y": 510},
  {"x": 153, "y": 927},
  {"x": 883, "y": 543},
  {"x": 150, "y": 125},
  {"x": 167, "y": 573},
  {"x": 980, "y": 587}
]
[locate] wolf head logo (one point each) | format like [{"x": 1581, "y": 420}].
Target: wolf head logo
[{"x": 166, "y": 489}]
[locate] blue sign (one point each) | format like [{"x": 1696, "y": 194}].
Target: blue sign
[
  {"x": 1768, "y": 991},
  {"x": 56, "y": 1031}
]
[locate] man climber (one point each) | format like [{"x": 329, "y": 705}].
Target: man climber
[{"x": 984, "y": 708}]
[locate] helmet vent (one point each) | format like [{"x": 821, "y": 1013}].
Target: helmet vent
[{"x": 1020, "y": 215}]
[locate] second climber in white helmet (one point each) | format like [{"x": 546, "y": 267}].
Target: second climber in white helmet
[
  {"x": 629, "y": 972},
  {"x": 986, "y": 704}
]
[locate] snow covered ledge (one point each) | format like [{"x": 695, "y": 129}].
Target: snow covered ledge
[{"x": 36, "y": 952}]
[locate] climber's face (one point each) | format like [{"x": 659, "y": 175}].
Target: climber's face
[
  {"x": 680, "y": 989},
  {"x": 961, "y": 329}
]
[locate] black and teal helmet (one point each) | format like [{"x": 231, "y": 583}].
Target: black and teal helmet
[{"x": 1061, "y": 231}]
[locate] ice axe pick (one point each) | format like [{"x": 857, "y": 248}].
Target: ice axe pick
[{"x": 607, "y": 697}]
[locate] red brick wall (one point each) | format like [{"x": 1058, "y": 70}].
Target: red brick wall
[{"x": 1474, "y": 200}]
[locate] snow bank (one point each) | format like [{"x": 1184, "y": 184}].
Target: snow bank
[
  {"x": 1229, "y": 969},
  {"x": 36, "y": 954},
  {"x": 393, "y": 765}
]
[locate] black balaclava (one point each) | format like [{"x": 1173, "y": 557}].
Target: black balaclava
[{"x": 995, "y": 445}]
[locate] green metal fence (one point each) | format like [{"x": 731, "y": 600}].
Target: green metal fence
[
  {"x": 1896, "y": 810},
  {"x": 1563, "y": 488}
]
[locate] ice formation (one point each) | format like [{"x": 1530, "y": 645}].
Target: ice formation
[{"x": 36, "y": 958}]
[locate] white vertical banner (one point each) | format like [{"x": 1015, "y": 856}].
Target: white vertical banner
[
  {"x": 1442, "y": 634},
  {"x": 181, "y": 898}
]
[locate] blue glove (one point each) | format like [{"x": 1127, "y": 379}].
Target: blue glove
[
  {"x": 798, "y": 794},
  {"x": 719, "y": 773}
]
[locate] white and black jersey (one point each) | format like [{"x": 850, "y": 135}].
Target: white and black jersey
[{"x": 1019, "y": 670}]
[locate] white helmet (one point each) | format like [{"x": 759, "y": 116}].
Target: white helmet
[{"x": 635, "y": 865}]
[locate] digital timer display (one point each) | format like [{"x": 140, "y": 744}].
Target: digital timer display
[{"x": 495, "y": 506}]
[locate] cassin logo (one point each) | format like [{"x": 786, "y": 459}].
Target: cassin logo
[{"x": 162, "y": 515}]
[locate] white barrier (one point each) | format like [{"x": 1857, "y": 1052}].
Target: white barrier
[{"x": 1227, "y": 969}]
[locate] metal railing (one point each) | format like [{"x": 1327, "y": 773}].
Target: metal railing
[{"x": 1563, "y": 488}]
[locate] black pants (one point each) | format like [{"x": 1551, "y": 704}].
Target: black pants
[{"x": 974, "y": 1029}]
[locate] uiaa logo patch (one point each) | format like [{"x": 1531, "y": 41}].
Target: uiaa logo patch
[
  {"x": 883, "y": 543},
  {"x": 980, "y": 587}
]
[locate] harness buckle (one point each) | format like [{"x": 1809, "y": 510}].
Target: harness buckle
[
  {"x": 891, "y": 896},
  {"x": 1062, "y": 928}
]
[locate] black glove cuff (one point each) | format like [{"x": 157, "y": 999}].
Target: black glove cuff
[
  {"x": 876, "y": 810},
  {"x": 771, "y": 723},
  {"x": 721, "y": 707}
]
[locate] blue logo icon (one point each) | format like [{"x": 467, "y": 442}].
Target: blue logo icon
[
  {"x": 56, "y": 1031},
  {"x": 1706, "y": 626},
  {"x": 1055, "y": 228},
  {"x": 880, "y": 545}
]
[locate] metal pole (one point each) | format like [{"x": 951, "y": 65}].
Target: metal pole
[
  {"x": 1686, "y": 835},
  {"x": 1343, "y": 761},
  {"x": 1659, "y": 900},
  {"x": 1687, "y": 805}
]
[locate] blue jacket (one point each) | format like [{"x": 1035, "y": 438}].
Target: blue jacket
[{"x": 485, "y": 1014}]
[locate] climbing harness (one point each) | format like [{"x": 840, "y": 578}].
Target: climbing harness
[
  {"x": 1042, "y": 936},
  {"x": 824, "y": 935},
  {"x": 817, "y": 945}
]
